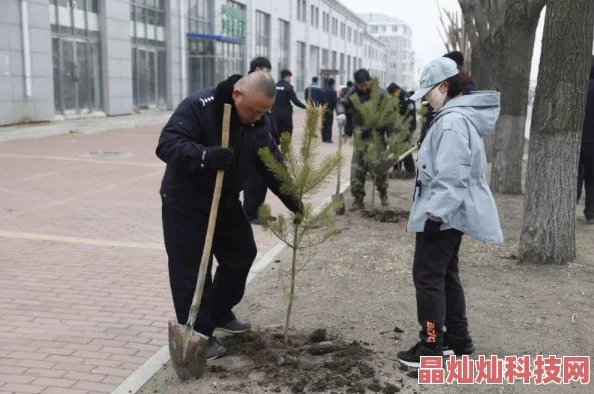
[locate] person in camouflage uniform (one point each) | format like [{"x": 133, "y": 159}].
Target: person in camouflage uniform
[{"x": 359, "y": 167}]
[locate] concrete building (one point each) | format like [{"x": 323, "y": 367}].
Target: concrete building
[
  {"x": 73, "y": 58},
  {"x": 397, "y": 35}
]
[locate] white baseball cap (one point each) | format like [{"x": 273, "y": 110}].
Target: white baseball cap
[{"x": 436, "y": 72}]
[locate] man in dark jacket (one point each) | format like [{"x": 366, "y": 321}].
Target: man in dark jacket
[
  {"x": 587, "y": 151},
  {"x": 358, "y": 166},
  {"x": 190, "y": 144},
  {"x": 282, "y": 110},
  {"x": 407, "y": 108},
  {"x": 329, "y": 98}
]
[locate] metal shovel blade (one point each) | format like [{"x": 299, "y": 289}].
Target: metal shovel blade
[
  {"x": 336, "y": 199},
  {"x": 187, "y": 349}
]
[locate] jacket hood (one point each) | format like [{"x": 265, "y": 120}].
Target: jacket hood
[{"x": 480, "y": 107}]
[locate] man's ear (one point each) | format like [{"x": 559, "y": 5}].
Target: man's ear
[{"x": 236, "y": 93}]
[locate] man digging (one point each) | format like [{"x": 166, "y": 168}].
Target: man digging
[{"x": 190, "y": 145}]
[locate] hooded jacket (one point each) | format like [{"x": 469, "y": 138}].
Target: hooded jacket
[
  {"x": 588, "y": 135},
  {"x": 451, "y": 185},
  {"x": 193, "y": 128}
]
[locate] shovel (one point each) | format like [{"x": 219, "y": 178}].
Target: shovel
[
  {"x": 187, "y": 347},
  {"x": 338, "y": 197},
  {"x": 392, "y": 160}
]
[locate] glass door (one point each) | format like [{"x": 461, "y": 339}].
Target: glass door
[
  {"x": 145, "y": 66},
  {"x": 82, "y": 78},
  {"x": 151, "y": 68},
  {"x": 69, "y": 80}
]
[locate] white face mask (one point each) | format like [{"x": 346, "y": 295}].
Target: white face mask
[{"x": 436, "y": 99}]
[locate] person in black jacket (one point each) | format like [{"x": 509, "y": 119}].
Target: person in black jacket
[
  {"x": 255, "y": 190},
  {"x": 587, "y": 151},
  {"x": 348, "y": 126},
  {"x": 282, "y": 110},
  {"x": 329, "y": 98},
  {"x": 190, "y": 144}
]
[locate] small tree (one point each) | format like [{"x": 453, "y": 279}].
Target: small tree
[
  {"x": 302, "y": 177},
  {"x": 377, "y": 113}
]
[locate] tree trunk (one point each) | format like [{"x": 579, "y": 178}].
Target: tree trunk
[
  {"x": 516, "y": 61},
  {"x": 548, "y": 234}
]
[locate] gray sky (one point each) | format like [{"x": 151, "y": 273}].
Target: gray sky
[{"x": 423, "y": 16}]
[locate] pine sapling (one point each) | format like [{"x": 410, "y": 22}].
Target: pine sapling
[{"x": 302, "y": 177}]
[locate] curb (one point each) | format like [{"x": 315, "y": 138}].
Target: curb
[{"x": 146, "y": 371}]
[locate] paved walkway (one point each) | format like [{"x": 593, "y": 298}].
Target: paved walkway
[{"x": 84, "y": 296}]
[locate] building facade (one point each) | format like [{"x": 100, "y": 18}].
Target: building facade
[
  {"x": 76, "y": 58},
  {"x": 397, "y": 35}
]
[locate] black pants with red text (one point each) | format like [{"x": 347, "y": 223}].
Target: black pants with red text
[{"x": 440, "y": 297}]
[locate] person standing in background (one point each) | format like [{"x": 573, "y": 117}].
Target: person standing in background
[
  {"x": 348, "y": 126},
  {"x": 282, "y": 110},
  {"x": 407, "y": 108},
  {"x": 313, "y": 92},
  {"x": 587, "y": 151},
  {"x": 254, "y": 189},
  {"x": 329, "y": 98}
]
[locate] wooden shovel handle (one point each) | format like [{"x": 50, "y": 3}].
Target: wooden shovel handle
[{"x": 214, "y": 208}]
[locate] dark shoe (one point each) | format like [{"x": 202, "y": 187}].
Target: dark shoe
[
  {"x": 459, "y": 346},
  {"x": 215, "y": 349},
  {"x": 236, "y": 326},
  {"x": 384, "y": 199},
  {"x": 412, "y": 357},
  {"x": 358, "y": 205}
]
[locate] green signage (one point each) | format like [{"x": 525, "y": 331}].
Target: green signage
[{"x": 234, "y": 21}]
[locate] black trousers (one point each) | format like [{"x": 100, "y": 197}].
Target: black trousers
[
  {"x": 409, "y": 164},
  {"x": 348, "y": 128},
  {"x": 254, "y": 193},
  {"x": 235, "y": 250},
  {"x": 587, "y": 162},
  {"x": 284, "y": 124},
  {"x": 440, "y": 296},
  {"x": 327, "y": 127}
]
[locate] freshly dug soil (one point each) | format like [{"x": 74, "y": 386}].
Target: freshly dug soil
[
  {"x": 358, "y": 288},
  {"x": 386, "y": 215}
]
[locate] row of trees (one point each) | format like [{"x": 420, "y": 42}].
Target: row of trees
[{"x": 500, "y": 36}]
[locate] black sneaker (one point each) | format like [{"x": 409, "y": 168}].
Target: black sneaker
[
  {"x": 236, "y": 326},
  {"x": 412, "y": 357},
  {"x": 215, "y": 349},
  {"x": 458, "y": 346}
]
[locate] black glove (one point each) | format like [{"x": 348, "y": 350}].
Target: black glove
[
  {"x": 300, "y": 211},
  {"x": 219, "y": 158},
  {"x": 431, "y": 231}
]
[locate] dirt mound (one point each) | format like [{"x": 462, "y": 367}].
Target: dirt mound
[
  {"x": 386, "y": 216},
  {"x": 314, "y": 362}
]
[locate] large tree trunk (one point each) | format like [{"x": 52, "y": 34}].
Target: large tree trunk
[
  {"x": 548, "y": 234},
  {"x": 516, "y": 60}
]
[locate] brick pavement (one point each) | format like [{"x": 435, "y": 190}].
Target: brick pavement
[{"x": 84, "y": 296}]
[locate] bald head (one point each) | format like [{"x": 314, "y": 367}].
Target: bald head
[
  {"x": 254, "y": 95},
  {"x": 257, "y": 82}
]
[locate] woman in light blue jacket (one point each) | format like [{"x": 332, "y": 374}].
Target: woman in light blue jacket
[{"x": 451, "y": 198}]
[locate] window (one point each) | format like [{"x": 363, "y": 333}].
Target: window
[
  {"x": 325, "y": 58},
  {"x": 335, "y": 26},
  {"x": 300, "y": 80},
  {"x": 304, "y": 11},
  {"x": 342, "y": 30},
  {"x": 373, "y": 29},
  {"x": 395, "y": 28},
  {"x": 312, "y": 18},
  {"x": 324, "y": 22},
  {"x": 262, "y": 34},
  {"x": 298, "y": 10},
  {"x": 342, "y": 62},
  {"x": 356, "y": 33},
  {"x": 284, "y": 44},
  {"x": 317, "y": 17},
  {"x": 383, "y": 29},
  {"x": 348, "y": 67},
  {"x": 350, "y": 34},
  {"x": 334, "y": 60}
]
